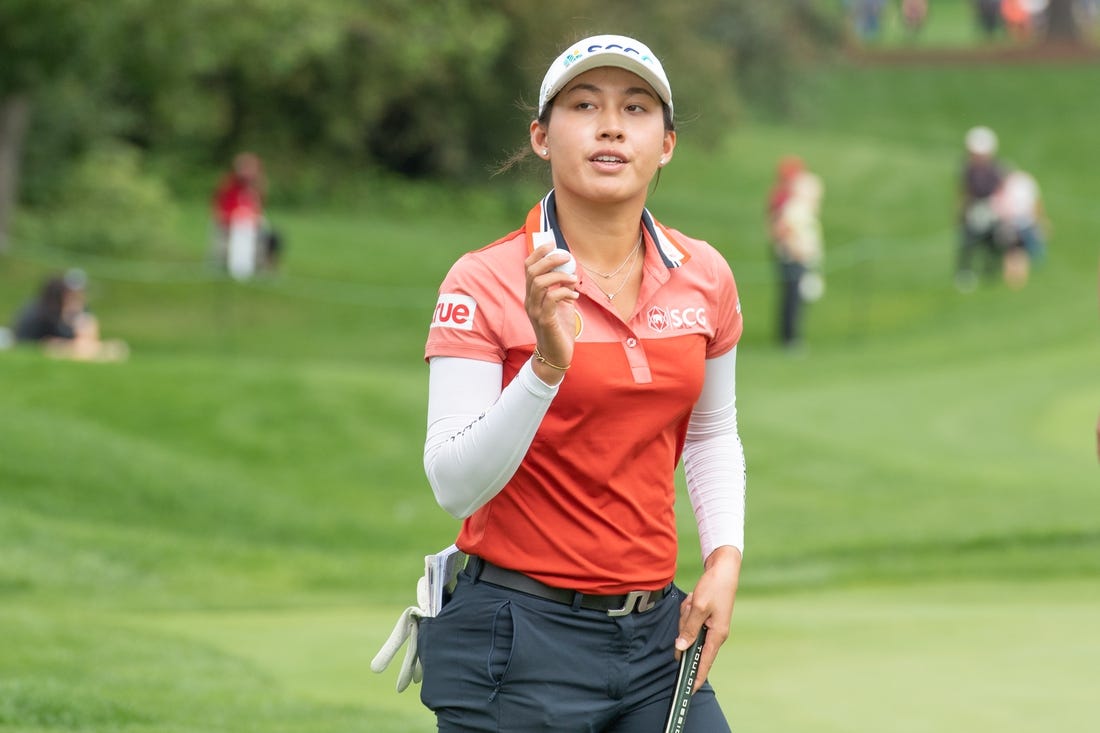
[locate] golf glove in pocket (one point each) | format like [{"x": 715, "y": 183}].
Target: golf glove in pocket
[{"x": 407, "y": 628}]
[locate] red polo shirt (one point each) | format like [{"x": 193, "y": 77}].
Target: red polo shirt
[{"x": 591, "y": 505}]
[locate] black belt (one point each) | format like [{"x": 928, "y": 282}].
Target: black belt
[{"x": 637, "y": 601}]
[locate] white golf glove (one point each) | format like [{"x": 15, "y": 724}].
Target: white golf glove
[{"x": 406, "y": 628}]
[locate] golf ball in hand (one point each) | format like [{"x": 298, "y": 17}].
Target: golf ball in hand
[{"x": 569, "y": 266}]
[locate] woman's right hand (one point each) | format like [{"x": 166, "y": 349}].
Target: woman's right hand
[{"x": 550, "y": 304}]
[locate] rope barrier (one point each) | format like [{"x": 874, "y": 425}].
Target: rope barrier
[{"x": 145, "y": 272}]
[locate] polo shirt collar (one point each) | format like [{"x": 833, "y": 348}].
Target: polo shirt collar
[{"x": 542, "y": 228}]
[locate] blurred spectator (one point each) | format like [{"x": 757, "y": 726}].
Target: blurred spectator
[
  {"x": 798, "y": 245},
  {"x": 981, "y": 179},
  {"x": 868, "y": 18},
  {"x": 789, "y": 167},
  {"x": 1017, "y": 19},
  {"x": 988, "y": 16},
  {"x": 58, "y": 320},
  {"x": 913, "y": 15},
  {"x": 1037, "y": 16},
  {"x": 243, "y": 240},
  {"x": 1021, "y": 222}
]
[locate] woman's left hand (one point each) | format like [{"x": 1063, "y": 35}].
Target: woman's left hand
[{"x": 710, "y": 604}]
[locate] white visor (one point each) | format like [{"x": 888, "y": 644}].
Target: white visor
[{"x": 597, "y": 51}]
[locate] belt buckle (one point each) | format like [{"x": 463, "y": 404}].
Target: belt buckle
[{"x": 643, "y": 599}]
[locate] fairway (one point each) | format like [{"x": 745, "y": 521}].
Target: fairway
[
  {"x": 949, "y": 656},
  {"x": 217, "y": 535},
  {"x": 943, "y": 656}
]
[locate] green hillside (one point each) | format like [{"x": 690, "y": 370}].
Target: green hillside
[{"x": 217, "y": 534}]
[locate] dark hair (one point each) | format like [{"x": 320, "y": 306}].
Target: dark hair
[{"x": 52, "y": 296}]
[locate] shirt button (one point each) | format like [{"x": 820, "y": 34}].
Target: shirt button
[{"x": 631, "y": 342}]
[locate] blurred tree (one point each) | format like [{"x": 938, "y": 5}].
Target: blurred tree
[
  {"x": 769, "y": 44},
  {"x": 39, "y": 39},
  {"x": 424, "y": 94},
  {"x": 14, "y": 114},
  {"x": 425, "y": 88},
  {"x": 721, "y": 55}
]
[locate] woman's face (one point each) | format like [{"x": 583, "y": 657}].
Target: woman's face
[{"x": 606, "y": 136}]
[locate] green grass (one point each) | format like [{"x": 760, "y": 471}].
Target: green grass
[
  {"x": 217, "y": 534},
  {"x": 931, "y": 657}
]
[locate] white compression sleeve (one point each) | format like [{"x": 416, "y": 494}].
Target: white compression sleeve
[
  {"x": 478, "y": 433},
  {"x": 714, "y": 459}
]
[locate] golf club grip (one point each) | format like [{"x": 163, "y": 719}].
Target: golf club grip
[{"x": 685, "y": 681}]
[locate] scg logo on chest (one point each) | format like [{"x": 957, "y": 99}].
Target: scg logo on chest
[{"x": 662, "y": 319}]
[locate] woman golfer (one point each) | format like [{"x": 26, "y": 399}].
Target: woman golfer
[{"x": 573, "y": 363}]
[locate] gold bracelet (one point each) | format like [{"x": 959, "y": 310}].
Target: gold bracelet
[{"x": 542, "y": 360}]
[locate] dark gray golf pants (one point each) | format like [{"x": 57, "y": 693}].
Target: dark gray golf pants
[{"x": 500, "y": 660}]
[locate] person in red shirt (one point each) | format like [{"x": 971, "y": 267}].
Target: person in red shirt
[
  {"x": 238, "y": 202},
  {"x": 240, "y": 192},
  {"x": 1017, "y": 18},
  {"x": 788, "y": 169},
  {"x": 574, "y": 363}
]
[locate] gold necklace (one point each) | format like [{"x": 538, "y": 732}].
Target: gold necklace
[
  {"x": 617, "y": 270},
  {"x": 626, "y": 277}
]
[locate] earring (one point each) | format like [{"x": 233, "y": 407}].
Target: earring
[{"x": 545, "y": 152}]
